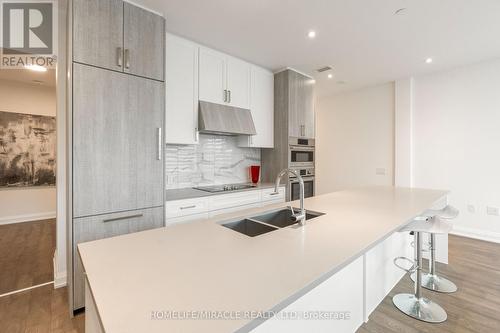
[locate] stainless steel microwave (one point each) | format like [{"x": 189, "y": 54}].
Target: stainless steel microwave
[{"x": 302, "y": 152}]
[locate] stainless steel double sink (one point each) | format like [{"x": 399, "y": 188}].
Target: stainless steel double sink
[{"x": 268, "y": 221}]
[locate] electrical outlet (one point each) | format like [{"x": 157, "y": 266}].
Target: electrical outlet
[
  {"x": 492, "y": 210},
  {"x": 471, "y": 208},
  {"x": 380, "y": 171}
]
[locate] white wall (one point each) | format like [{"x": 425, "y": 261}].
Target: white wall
[
  {"x": 355, "y": 137},
  {"x": 31, "y": 203},
  {"x": 456, "y": 141}
]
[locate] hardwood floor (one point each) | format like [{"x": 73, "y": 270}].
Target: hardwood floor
[
  {"x": 26, "y": 252},
  {"x": 474, "y": 266},
  {"x": 41, "y": 310},
  {"x": 475, "y": 307}
]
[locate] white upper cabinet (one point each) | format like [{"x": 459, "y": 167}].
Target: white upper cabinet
[
  {"x": 181, "y": 105},
  {"x": 194, "y": 73},
  {"x": 212, "y": 76},
  {"x": 224, "y": 79},
  {"x": 262, "y": 108},
  {"x": 238, "y": 83}
]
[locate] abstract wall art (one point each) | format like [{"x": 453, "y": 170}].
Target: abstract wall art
[{"x": 27, "y": 150}]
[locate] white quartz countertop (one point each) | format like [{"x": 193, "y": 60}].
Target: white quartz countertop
[{"x": 202, "y": 266}]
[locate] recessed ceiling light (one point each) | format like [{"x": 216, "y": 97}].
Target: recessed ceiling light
[
  {"x": 36, "y": 68},
  {"x": 330, "y": 75},
  {"x": 428, "y": 60},
  {"x": 311, "y": 34}
]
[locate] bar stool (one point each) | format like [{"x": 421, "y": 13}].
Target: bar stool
[
  {"x": 415, "y": 305},
  {"x": 432, "y": 280}
]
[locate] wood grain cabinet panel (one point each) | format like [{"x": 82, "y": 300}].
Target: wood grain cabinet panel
[
  {"x": 301, "y": 105},
  {"x": 116, "y": 166},
  {"x": 98, "y": 32},
  {"x": 116, "y": 35},
  {"x": 143, "y": 39}
]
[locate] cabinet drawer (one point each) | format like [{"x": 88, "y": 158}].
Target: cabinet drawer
[
  {"x": 233, "y": 209},
  {"x": 103, "y": 226},
  {"x": 186, "y": 219},
  {"x": 268, "y": 194},
  {"x": 186, "y": 207},
  {"x": 234, "y": 199}
]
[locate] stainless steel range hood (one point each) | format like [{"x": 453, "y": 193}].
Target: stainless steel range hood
[{"x": 225, "y": 120}]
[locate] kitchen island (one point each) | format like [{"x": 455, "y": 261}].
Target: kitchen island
[{"x": 203, "y": 277}]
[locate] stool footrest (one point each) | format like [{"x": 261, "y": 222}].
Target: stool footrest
[{"x": 413, "y": 268}]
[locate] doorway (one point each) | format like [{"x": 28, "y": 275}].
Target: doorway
[{"x": 27, "y": 178}]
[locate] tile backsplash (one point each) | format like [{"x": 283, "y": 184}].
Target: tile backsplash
[{"x": 215, "y": 160}]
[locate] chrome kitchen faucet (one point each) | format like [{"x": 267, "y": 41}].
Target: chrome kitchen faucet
[{"x": 301, "y": 216}]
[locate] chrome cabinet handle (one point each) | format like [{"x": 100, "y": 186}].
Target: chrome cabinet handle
[
  {"x": 119, "y": 56},
  {"x": 188, "y": 207},
  {"x": 122, "y": 218},
  {"x": 229, "y": 96},
  {"x": 127, "y": 58},
  {"x": 225, "y": 95},
  {"x": 196, "y": 135},
  {"x": 158, "y": 157}
]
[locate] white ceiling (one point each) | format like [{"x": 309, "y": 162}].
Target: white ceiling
[
  {"x": 46, "y": 79},
  {"x": 362, "y": 39}
]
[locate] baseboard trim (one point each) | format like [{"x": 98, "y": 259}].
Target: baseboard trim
[
  {"x": 488, "y": 236},
  {"x": 26, "y": 289},
  {"x": 27, "y": 218},
  {"x": 60, "y": 278}
]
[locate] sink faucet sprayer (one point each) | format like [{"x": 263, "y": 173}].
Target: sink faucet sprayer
[{"x": 301, "y": 216}]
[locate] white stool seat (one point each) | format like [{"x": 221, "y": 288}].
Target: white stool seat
[
  {"x": 448, "y": 212},
  {"x": 433, "y": 225}
]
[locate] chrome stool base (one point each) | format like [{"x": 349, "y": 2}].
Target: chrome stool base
[
  {"x": 436, "y": 283},
  {"x": 420, "y": 308}
]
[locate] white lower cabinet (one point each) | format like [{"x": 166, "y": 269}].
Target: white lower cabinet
[
  {"x": 356, "y": 289},
  {"x": 180, "y": 208},
  {"x": 340, "y": 297},
  {"x": 381, "y": 273},
  {"x": 231, "y": 200},
  {"x": 187, "y": 218},
  {"x": 233, "y": 209},
  {"x": 189, "y": 210},
  {"x": 92, "y": 321}
]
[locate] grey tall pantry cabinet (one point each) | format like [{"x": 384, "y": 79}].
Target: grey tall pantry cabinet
[{"x": 117, "y": 117}]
